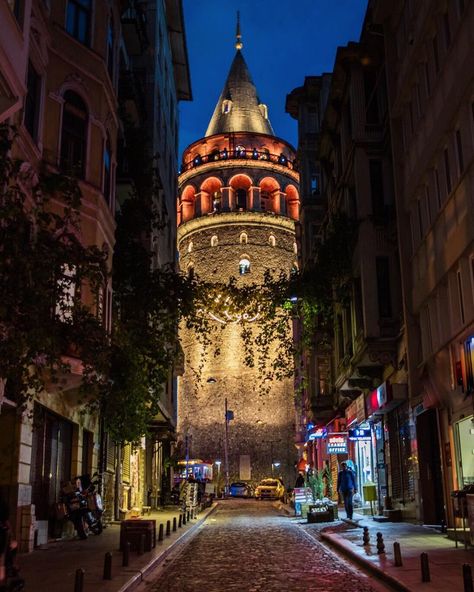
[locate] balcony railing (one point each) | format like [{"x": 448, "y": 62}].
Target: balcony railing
[{"x": 239, "y": 154}]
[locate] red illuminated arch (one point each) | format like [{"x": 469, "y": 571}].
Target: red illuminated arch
[{"x": 293, "y": 202}]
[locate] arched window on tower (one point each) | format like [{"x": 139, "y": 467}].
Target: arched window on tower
[
  {"x": 241, "y": 199},
  {"x": 226, "y": 106},
  {"x": 243, "y": 238},
  {"x": 244, "y": 266},
  {"x": 190, "y": 247},
  {"x": 214, "y": 241},
  {"x": 265, "y": 200},
  {"x": 272, "y": 240}
]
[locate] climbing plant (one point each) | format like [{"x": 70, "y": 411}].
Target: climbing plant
[{"x": 44, "y": 270}]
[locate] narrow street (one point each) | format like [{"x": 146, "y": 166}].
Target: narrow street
[{"x": 247, "y": 546}]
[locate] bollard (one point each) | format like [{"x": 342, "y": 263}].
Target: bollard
[
  {"x": 397, "y": 554},
  {"x": 141, "y": 544},
  {"x": 79, "y": 580},
  {"x": 380, "y": 544},
  {"x": 160, "y": 533},
  {"x": 180, "y": 518},
  {"x": 187, "y": 516},
  {"x": 184, "y": 518},
  {"x": 366, "y": 536},
  {"x": 107, "y": 575},
  {"x": 467, "y": 577},
  {"x": 168, "y": 528},
  {"x": 126, "y": 554},
  {"x": 174, "y": 524},
  {"x": 425, "y": 568}
]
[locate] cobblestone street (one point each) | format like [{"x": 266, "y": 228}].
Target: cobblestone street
[{"x": 247, "y": 546}]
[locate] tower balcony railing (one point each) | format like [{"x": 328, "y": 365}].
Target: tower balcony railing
[{"x": 239, "y": 154}]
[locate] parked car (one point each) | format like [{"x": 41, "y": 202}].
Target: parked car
[
  {"x": 270, "y": 489},
  {"x": 240, "y": 489}
]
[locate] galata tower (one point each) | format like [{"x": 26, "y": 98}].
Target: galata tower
[{"x": 237, "y": 208}]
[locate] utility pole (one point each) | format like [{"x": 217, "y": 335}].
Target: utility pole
[{"x": 226, "y": 448}]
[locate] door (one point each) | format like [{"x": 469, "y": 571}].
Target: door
[
  {"x": 431, "y": 478},
  {"x": 50, "y": 460}
]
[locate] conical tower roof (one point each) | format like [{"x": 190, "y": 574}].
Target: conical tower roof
[{"x": 239, "y": 108}]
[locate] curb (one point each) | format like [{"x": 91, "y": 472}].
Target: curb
[
  {"x": 285, "y": 508},
  {"x": 367, "y": 565},
  {"x": 137, "y": 578}
]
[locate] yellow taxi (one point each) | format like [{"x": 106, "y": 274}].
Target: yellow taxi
[{"x": 270, "y": 488}]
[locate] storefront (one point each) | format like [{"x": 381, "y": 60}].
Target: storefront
[
  {"x": 360, "y": 438},
  {"x": 463, "y": 438}
]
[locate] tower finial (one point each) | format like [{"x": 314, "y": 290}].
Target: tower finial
[{"x": 238, "y": 35}]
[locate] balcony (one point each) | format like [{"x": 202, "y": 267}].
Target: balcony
[{"x": 228, "y": 154}]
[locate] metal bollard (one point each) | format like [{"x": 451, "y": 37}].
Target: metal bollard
[
  {"x": 366, "y": 536},
  {"x": 397, "y": 554},
  {"x": 467, "y": 577},
  {"x": 160, "y": 533},
  {"x": 380, "y": 544},
  {"x": 184, "y": 518},
  {"x": 168, "y": 528},
  {"x": 180, "y": 519},
  {"x": 141, "y": 544},
  {"x": 174, "y": 524},
  {"x": 425, "y": 568},
  {"x": 79, "y": 580},
  {"x": 126, "y": 554},
  {"x": 107, "y": 575}
]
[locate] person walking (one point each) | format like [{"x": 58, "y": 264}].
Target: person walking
[{"x": 347, "y": 486}]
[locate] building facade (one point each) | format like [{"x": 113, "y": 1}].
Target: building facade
[
  {"x": 429, "y": 70},
  {"x": 237, "y": 208}
]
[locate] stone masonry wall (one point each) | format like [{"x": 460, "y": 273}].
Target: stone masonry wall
[{"x": 263, "y": 427}]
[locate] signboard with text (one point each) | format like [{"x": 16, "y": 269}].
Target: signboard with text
[{"x": 337, "y": 444}]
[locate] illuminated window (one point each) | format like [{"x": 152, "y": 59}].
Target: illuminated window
[
  {"x": 244, "y": 266},
  {"x": 295, "y": 248},
  {"x": 78, "y": 19},
  {"x": 272, "y": 240},
  {"x": 214, "y": 241},
  {"x": 226, "y": 106},
  {"x": 243, "y": 238},
  {"x": 190, "y": 247}
]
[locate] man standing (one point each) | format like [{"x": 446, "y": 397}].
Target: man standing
[{"x": 346, "y": 486}]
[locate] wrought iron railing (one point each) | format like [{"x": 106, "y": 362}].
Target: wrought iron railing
[{"x": 239, "y": 154}]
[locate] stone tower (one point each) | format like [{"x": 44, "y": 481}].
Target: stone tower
[{"x": 238, "y": 203}]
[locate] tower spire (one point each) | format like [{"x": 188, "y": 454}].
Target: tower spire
[{"x": 238, "y": 35}]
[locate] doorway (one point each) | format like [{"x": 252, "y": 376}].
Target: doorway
[{"x": 431, "y": 477}]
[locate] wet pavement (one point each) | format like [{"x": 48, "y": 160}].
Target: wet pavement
[{"x": 247, "y": 546}]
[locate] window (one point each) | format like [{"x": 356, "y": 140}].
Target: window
[
  {"x": 376, "y": 187},
  {"x": 447, "y": 171},
  {"x": 314, "y": 183},
  {"x": 272, "y": 241},
  {"x": 461, "y": 298},
  {"x": 436, "y": 53},
  {"x": 265, "y": 200},
  {"x": 78, "y": 19},
  {"x": 15, "y": 6},
  {"x": 383, "y": 287},
  {"x": 107, "y": 171},
  {"x": 459, "y": 151},
  {"x": 191, "y": 271},
  {"x": 226, "y": 106},
  {"x": 243, "y": 238},
  {"x": 214, "y": 241},
  {"x": 111, "y": 48},
  {"x": 32, "y": 102},
  {"x": 428, "y": 205},
  {"x": 74, "y": 135},
  {"x": 447, "y": 30},
  {"x": 244, "y": 266},
  {"x": 241, "y": 199},
  {"x": 437, "y": 188},
  {"x": 66, "y": 292},
  {"x": 190, "y": 247},
  {"x": 370, "y": 88}
]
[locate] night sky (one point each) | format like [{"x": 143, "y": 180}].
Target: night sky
[{"x": 284, "y": 41}]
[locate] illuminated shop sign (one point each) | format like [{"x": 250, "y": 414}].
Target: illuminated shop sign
[
  {"x": 337, "y": 444},
  {"x": 317, "y": 433},
  {"x": 360, "y": 434}
]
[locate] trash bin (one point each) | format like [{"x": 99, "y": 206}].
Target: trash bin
[{"x": 370, "y": 494}]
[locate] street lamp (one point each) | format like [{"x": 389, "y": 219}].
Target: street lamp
[{"x": 275, "y": 464}]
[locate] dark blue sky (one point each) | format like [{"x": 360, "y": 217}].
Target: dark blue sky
[{"x": 284, "y": 41}]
